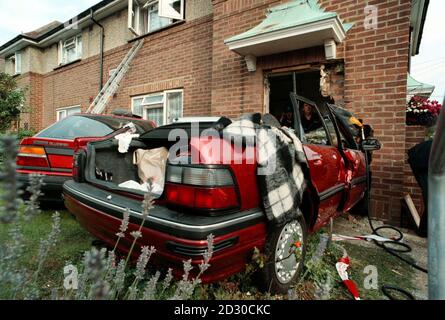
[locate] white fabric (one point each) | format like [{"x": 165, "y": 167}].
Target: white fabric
[
  {"x": 156, "y": 189},
  {"x": 125, "y": 141}
]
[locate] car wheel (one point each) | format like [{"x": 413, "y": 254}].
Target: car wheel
[{"x": 285, "y": 252}]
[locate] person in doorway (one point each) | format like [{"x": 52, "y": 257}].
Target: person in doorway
[
  {"x": 287, "y": 118},
  {"x": 309, "y": 120}
]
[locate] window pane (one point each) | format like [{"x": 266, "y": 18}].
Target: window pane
[
  {"x": 137, "y": 107},
  {"x": 331, "y": 130},
  {"x": 314, "y": 130},
  {"x": 156, "y": 22},
  {"x": 156, "y": 115},
  {"x": 79, "y": 47},
  {"x": 174, "y": 102},
  {"x": 18, "y": 63},
  {"x": 61, "y": 115},
  {"x": 70, "y": 54},
  {"x": 153, "y": 100},
  {"x": 72, "y": 111}
]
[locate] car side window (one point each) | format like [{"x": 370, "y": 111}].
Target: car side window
[
  {"x": 331, "y": 129},
  {"x": 313, "y": 129}
]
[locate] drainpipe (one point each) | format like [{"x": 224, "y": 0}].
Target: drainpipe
[
  {"x": 102, "y": 40},
  {"x": 436, "y": 215}
]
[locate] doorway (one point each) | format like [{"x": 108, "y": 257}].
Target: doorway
[{"x": 302, "y": 83}]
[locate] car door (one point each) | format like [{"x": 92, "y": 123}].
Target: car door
[
  {"x": 325, "y": 162},
  {"x": 355, "y": 162}
]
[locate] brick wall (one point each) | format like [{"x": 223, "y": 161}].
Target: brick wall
[
  {"x": 32, "y": 83},
  {"x": 376, "y": 65}
]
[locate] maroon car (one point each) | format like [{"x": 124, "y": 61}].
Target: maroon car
[
  {"x": 223, "y": 199},
  {"x": 50, "y": 152}
]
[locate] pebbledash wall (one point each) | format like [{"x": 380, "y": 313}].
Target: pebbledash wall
[{"x": 192, "y": 56}]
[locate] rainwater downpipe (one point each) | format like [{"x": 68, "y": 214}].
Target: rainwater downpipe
[{"x": 102, "y": 41}]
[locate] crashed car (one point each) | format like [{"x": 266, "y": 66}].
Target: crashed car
[
  {"x": 211, "y": 196},
  {"x": 50, "y": 152}
]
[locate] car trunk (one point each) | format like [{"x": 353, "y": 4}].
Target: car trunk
[{"x": 109, "y": 168}]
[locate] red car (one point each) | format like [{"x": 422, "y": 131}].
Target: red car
[
  {"x": 50, "y": 152},
  {"x": 220, "y": 199}
]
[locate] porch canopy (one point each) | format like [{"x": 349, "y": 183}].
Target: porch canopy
[
  {"x": 417, "y": 88},
  {"x": 295, "y": 25}
]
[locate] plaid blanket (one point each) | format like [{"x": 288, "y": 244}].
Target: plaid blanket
[{"x": 281, "y": 167}]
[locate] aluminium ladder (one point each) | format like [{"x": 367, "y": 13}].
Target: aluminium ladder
[{"x": 110, "y": 88}]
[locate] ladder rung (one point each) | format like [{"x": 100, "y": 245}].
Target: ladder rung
[{"x": 112, "y": 85}]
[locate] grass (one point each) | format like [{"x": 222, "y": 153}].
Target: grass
[{"x": 74, "y": 241}]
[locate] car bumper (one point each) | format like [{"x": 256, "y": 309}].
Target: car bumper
[
  {"x": 177, "y": 237},
  {"x": 52, "y": 186}
]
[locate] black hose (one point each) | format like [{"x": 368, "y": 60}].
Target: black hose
[
  {"x": 403, "y": 247},
  {"x": 387, "y": 292}
]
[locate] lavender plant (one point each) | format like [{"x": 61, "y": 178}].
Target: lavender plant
[{"x": 103, "y": 274}]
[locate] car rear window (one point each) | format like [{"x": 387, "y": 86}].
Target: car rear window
[{"x": 89, "y": 126}]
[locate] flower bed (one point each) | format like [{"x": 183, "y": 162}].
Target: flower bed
[{"x": 421, "y": 111}]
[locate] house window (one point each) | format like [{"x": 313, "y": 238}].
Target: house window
[
  {"x": 16, "y": 61},
  {"x": 162, "y": 108},
  {"x": 70, "y": 50},
  {"x": 149, "y": 16},
  {"x": 63, "y": 113},
  {"x": 156, "y": 22}
]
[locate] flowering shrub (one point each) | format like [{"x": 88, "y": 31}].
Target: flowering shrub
[{"x": 421, "y": 111}]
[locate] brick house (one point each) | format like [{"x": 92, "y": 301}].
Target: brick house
[{"x": 229, "y": 57}]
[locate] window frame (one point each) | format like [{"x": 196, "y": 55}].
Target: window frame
[
  {"x": 65, "y": 110},
  {"x": 64, "y": 45},
  {"x": 296, "y": 101},
  {"x": 149, "y": 5},
  {"x": 181, "y": 13},
  {"x": 155, "y": 105},
  {"x": 138, "y": 16},
  {"x": 18, "y": 63}
]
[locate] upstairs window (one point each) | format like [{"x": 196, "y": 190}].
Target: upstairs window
[
  {"x": 70, "y": 50},
  {"x": 148, "y": 16},
  {"x": 16, "y": 61},
  {"x": 161, "y": 108}
]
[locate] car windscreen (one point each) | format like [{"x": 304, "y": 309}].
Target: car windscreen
[{"x": 89, "y": 126}]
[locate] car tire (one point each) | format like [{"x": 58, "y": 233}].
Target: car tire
[{"x": 277, "y": 277}]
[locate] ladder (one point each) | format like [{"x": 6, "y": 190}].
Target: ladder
[{"x": 110, "y": 88}]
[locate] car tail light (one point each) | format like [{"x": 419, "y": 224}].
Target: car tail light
[
  {"x": 201, "y": 188},
  {"x": 79, "y": 161},
  {"x": 32, "y": 156}
]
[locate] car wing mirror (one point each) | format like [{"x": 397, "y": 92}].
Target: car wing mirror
[{"x": 371, "y": 145}]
